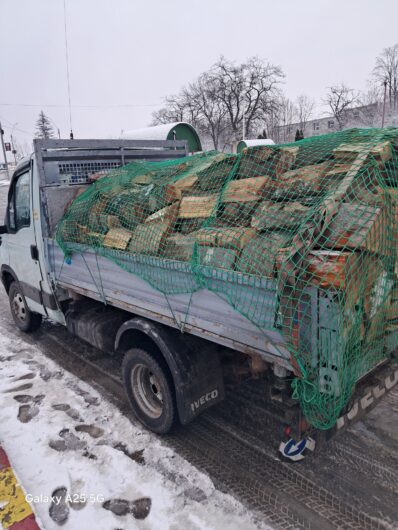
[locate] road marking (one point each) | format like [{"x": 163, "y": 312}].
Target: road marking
[{"x": 15, "y": 511}]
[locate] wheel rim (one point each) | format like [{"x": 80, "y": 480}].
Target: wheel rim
[
  {"x": 147, "y": 391},
  {"x": 18, "y": 307}
]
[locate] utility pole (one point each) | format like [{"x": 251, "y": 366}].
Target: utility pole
[
  {"x": 14, "y": 151},
  {"x": 4, "y": 151},
  {"x": 384, "y": 102}
]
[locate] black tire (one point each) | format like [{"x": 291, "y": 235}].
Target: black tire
[
  {"x": 23, "y": 317},
  {"x": 150, "y": 390}
]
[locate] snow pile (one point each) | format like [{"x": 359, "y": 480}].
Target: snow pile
[{"x": 65, "y": 440}]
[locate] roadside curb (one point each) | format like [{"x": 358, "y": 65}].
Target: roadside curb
[{"x": 15, "y": 511}]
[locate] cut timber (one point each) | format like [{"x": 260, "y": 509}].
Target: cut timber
[
  {"x": 296, "y": 183},
  {"x": 279, "y": 215},
  {"x": 169, "y": 213},
  {"x": 236, "y": 238},
  {"x": 213, "y": 177},
  {"x": 149, "y": 238},
  {"x": 179, "y": 247},
  {"x": 222, "y": 258},
  {"x": 359, "y": 227},
  {"x": 284, "y": 159},
  {"x": 194, "y": 207},
  {"x": 177, "y": 189},
  {"x": 329, "y": 268},
  {"x": 348, "y": 152},
  {"x": 238, "y": 213},
  {"x": 259, "y": 153},
  {"x": 117, "y": 238},
  {"x": 245, "y": 190},
  {"x": 259, "y": 255},
  {"x": 143, "y": 180}
]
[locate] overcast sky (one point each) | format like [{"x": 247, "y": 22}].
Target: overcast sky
[{"x": 125, "y": 56}]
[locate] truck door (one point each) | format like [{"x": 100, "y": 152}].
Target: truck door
[{"x": 19, "y": 244}]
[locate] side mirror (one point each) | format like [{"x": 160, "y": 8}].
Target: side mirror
[{"x": 3, "y": 229}]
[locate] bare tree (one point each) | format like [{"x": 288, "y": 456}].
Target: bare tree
[
  {"x": 386, "y": 69},
  {"x": 341, "y": 99},
  {"x": 174, "y": 110},
  {"x": 248, "y": 92},
  {"x": 370, "y": 113},
  {"x": 287, "y": 115},
  {"x": 44, "y": 129},
  {"x": 225, "y": 98},
  {"x": 305, "y": 108}
]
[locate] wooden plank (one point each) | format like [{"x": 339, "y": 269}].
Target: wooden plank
[
  {"x": 271, "y": 215},
  {"x": 117, "y": 238},
  {"x": 197, "y": 207},
  {"x": 358, "y": 227},
  {"x": 245, "y": 190},
  {"x": 149, "y": 238}
]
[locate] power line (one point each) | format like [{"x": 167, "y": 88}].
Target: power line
[
  {"x": 16, "y": 128},
  {"x": 56, "y": 105}
]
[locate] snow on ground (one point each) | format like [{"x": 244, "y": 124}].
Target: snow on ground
[{"x": 62, "y": 436}]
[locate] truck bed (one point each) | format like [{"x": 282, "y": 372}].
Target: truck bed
[{"x": 204, "y": 313}]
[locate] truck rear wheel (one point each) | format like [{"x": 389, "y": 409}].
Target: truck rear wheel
[
  {"x": 23, "y": 317},
  {"x": 150, "y": 390}
]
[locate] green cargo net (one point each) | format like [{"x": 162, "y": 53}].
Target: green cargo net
[{"x": 299, "y": 238}]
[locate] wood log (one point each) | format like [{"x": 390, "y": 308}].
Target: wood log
[
  {"x": 143, "y": 180},
  {"x": 197, "y": 207},
  {"x": 330, "y": 268},
  {"x": 169, "y": 213},
  {"x": 260, "y": 153},
  {"x": 117, "y": 238},
  {"x": 284, "y": 159},
  {"x": 237, "y": 213},
  {"x": 271, "y": 215},
  {"x": 348, "y": 152},
  {"x": 236, "y": 238},
  {"x": 357, "y": 226},
  {"x": 174, "y": 191},
  {"x": 149, "y": 238},
  {"x": 218, "y": 257},
  {"x": 260, "y": 254},
  {"x": 245, "y": 190},
  {"x": 213, "y": 177},
  {"x": 179, "y": 247}
]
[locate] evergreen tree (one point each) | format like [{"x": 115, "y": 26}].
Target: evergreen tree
[
  {"x": 44, "y": 129},
  {"x": 301, "y": 134},
  {"x": 297, "y": 136}
]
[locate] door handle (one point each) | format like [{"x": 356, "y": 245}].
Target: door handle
[{"x": 34, "y": 252}]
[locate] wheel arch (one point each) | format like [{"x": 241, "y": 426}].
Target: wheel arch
[
  {"x": 7, "y": 277},
  {"x": 193, "y": 363}
]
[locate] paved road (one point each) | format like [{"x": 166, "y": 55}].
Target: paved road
[{"x": 351, "y": 483}]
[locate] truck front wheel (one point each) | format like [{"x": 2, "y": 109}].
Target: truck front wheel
[
  {"x": 23, "y": 317},
  {"x": 150, "y": 390}
]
